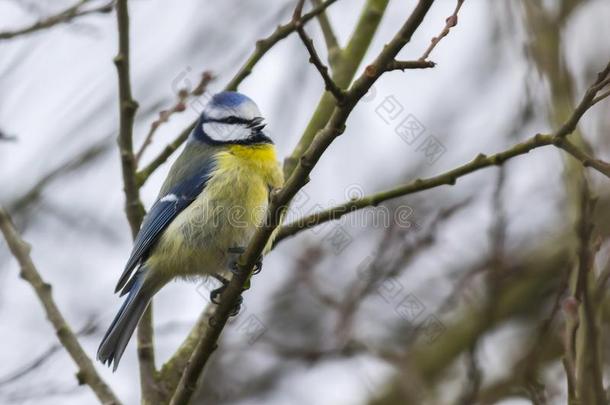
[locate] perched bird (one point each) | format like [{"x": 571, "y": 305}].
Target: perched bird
[{"x": 210, "y": 205}]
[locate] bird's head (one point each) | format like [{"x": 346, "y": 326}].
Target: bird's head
[{"x": 231, "y": 118}]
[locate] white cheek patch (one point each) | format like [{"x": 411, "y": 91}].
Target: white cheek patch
[
  {"x": 169, "y": 198},
  {"x": 219, "y": 131}
]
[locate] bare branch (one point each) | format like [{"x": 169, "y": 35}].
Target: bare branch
[
  {"x": 127, "y": 111},
  {"x": 62, "y": 17},
  {"x": 171, "y": 372},
  {"x": 314, "y": 58},
  {"x": 601, "y": 97},
  {"x": 133, "y": 206},
  {"x": 86, "y": 374},
  {"x": 450, "y": 22},
  {"x": 410, "y": 64},
  {"x": 332, "y": 44},
  {"x": 162, "y": 157},
  {"x": 587, "y": 102},
  {"x": 589, "y": 372},
  {"x": 179, "y": 106}
]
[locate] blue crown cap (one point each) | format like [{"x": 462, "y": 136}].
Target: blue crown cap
[{"x": 228, "y": 99}]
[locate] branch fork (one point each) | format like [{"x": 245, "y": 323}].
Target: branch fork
[{"x": 330, "y": 85}]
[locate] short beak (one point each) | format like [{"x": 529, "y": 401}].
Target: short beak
[{"x": 257, "y": 123}]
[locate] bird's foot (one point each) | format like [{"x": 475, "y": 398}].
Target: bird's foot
[
  {"x": 215, "y": 294},
  {"x": 237, "y": 306},
  {"x": 257, "y": 269},
  {"x": 258, "y": 266},
  {"x": 235, "y": 252}
]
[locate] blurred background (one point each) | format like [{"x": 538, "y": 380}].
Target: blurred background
[{"x": 336, "y": 308}]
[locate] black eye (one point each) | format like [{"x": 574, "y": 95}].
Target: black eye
[{"x": 232, "y": 120}]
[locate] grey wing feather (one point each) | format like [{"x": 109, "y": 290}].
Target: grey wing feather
[{"x": 177, "y": 196}]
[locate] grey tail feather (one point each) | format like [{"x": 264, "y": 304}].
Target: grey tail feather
[{"x": 116, "y": 338}]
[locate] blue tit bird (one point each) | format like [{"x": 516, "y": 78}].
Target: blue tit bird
[{"x": 215, "y": 196}]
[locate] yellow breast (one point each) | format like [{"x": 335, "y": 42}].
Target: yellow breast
[
  {"x": 225, "y": 215},
  {"x": 255, "y": 160}
]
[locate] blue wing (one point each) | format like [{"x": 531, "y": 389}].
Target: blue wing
[{"x": 161, "y": 214}]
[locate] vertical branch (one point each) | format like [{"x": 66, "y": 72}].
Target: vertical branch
[
  {"x": 589, "y": 374},
  {"x": 86, "y": 371},
  {"x": 133, "y": 206},
  {"x": 127, "y": 111}
]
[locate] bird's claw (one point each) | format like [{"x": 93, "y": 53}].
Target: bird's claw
[
  {"x": 237, "y": 306},
  {"x": 258, "y": 266},
  {"x": 216, "y": 293}
]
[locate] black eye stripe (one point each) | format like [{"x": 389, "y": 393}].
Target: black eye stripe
[{"x": 235, "y": 120}]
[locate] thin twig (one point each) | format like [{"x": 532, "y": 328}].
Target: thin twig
[
  {"x": 382, "y": 268},
  {"x": 601, "y": 97},
  {"x": 162, "y": 157},
  {"x": 475, "y": 376},
  {"x": 62, "y": 17},
  {"x": 570, "y": 381},
  {"x": 450, "y": 22},
  {"x": 280, "y": 198},
  {"x": 332, "y": 44},
  {"x": 410, "y": 64},
  {"x": 585, "y": 103},
  {"x": 314, "y": 58},
  {"x": 179, "y": 106},
  {"x": 86, "y": 374}
]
